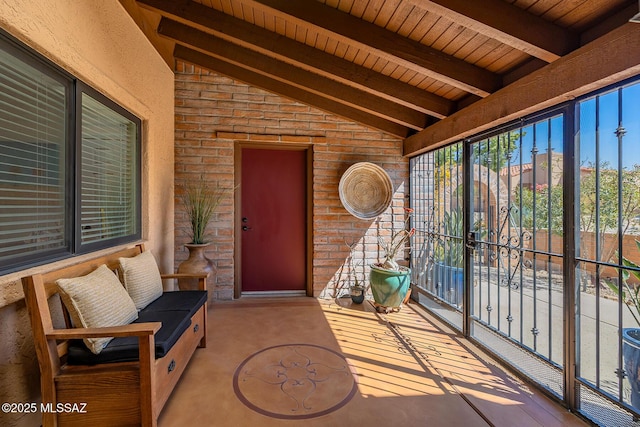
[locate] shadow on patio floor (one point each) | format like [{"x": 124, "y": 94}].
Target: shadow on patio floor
[{"x": 302, "y": 361}]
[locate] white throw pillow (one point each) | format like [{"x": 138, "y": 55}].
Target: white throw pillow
[
  {"x": 141, "y": 278},
  {"x": 97, "y": 300}
]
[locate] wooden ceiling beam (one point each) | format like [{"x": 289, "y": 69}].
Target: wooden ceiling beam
[
  {"x": 286, "y": 73},
  {"x": 386, "y": 44},
  {"x": 286, "y": 90},
  {"x": 295, "y": 53},
  {"x": 506, "y": 23},
  {"x": 610, "y": 59}
]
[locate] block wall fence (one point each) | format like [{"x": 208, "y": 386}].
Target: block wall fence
[{"x": 213, "y": 113}]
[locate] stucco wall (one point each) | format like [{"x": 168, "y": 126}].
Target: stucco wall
[
  {"x": 214, "y": 112},
  {"x": 99, "y": 43}
]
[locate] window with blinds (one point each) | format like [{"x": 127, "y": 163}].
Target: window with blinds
[
  {"x": 33, "y": 137},
  {"x": 69, "y": 177},
  {"x": 108, "y": 172}
]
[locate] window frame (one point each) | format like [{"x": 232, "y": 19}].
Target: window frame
[
  {"x": 80, "y": 247},
  {"x": 41, "y": 64},
  {"x": 74, "y": 88}
]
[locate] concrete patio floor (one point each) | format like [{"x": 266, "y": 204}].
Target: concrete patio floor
[{"x": 303, "y": 361}]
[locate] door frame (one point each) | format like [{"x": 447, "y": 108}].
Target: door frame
[{"x": 237, "y": 218}]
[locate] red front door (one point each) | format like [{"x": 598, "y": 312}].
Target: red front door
[{"x": 273, "y": 224}]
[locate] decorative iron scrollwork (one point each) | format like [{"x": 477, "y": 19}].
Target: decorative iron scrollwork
[{"x": 508, "y": 248}]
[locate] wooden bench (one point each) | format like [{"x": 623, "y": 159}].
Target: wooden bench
[{"x": 115, "y": 394}]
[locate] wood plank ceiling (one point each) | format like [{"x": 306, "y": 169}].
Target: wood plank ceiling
[{"x": 400, "y": 66}]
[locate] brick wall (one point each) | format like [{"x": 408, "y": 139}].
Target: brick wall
[{"x": 213, "y": 112}]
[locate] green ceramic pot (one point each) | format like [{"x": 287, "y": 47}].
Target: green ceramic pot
[{"x": 389, "y": 288}]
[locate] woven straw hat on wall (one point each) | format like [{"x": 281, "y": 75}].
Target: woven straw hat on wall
[{"x": 365, "y": 190}]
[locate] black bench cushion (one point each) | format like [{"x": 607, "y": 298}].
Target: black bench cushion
[
  {"x": 173, "y": 309},
  {"x": 179, "y": 300},
  {"x": 125, "y": 349}
]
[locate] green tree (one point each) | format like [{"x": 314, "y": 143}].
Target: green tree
[
  {"x": 548, "y": 207},
  {"x": 602, "y": 206},
  {"x": 494, "y": 152}
]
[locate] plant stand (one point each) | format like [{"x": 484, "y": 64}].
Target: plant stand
[{"x": 389, "y": 288}]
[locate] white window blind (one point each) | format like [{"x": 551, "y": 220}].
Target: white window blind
[
  {"x": 108, "y": 173},
  {"x": 70, "y": 170},
  {"x": 33, "y": 120}
]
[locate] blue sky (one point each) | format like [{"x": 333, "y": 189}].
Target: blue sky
[
  {"x": 546, "y": 134},
  {"x": 608, "y": 106},
  {"x": 608, "y": 112}
]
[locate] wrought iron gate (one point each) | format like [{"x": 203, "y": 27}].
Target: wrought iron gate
[
  {"x": 438, "y": 245},
  {"x": 544, "y": 218},
  {"x": 517, "y": 282},
  {"x": 509, "y": 186}
]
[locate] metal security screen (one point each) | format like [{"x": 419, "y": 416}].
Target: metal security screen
[
  {"x": 547, "y": 213},
  {"x": 517, "y": 265},
  {"x": 608, "y": 254},
  {"x": 438, "y": 246},
  {"x": 514, "y": 201}
]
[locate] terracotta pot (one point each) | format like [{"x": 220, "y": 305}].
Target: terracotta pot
[{"x": 196, "y": 263}]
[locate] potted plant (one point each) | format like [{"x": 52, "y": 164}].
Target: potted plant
[
  {"x": 449, "y": 259},
  {"x": 200, "y": 202},
  {"x": 389, "y": 280},
  {"x": 630, "y": 336},
  {"x": 356, "y": 291},
  {"x": 357, "y": 288}
]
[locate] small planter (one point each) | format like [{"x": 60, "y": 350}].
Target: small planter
[
  {"x": 357, "y": 294},
  {"x": 631, "y": 354},
  {"x": 389, "y": 288}
]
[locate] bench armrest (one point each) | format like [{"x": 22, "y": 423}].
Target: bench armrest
[
  {"x": 130, "y": 330},
  {"x": 185, "y": 276},
  {"x": 201, "y": 277}
]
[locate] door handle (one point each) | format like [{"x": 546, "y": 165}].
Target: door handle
[
  {"x": 245, "y": 228},
  {"x": 472, "y": 240}
]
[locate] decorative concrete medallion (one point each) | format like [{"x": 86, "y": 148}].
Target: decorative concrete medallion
[{"x": 294, "y": 381}]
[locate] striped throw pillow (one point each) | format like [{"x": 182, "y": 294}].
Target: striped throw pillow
[
  {"x": 97, "y": 300},
  {"x": 141, "y": 278}
]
